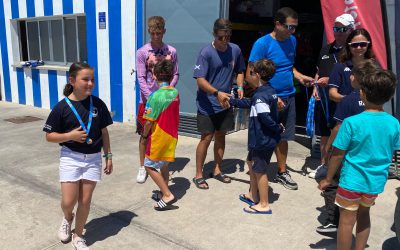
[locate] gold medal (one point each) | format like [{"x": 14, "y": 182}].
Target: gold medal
[{"x": 89, "y": 141}]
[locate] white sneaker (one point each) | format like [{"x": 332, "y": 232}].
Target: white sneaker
[
  {"x": 142, "y": 175},
  {"x": 64, "y": 232},
  {"x": 319, "y": 173},
  {"x": 79, "y": 243}
]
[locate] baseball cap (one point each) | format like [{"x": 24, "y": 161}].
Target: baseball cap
[{"x": 345, "y": 19}]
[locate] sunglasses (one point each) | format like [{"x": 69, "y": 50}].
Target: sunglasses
[
  {"x": 290, "y": 27},
  {"x": 359, "y": 44},
  {"x": 224, "y": 37},
  {"x": 340, "y": 29}
]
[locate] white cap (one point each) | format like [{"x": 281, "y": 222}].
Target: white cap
[{"x": 345, "y": 19}]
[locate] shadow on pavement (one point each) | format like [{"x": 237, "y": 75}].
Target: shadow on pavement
[
  {"x": 101, "y": 228},
  {"x": 229, "y": 166},
  {"x": 179, "y": 187},
  {"x": 178, "y": 165},
  {"x": 328, "y": 244}
]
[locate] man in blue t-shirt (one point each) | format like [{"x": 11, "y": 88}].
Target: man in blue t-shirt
[
  {"x": 280, "y": 47},
  {"x": 214, "y": 72}
]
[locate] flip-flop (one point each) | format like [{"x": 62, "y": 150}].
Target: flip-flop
[
  {"x": 200, "y": 181},
  {"x": 255, "y": 211},
  {"x": 162, "y": 205},
  {"x": 221, "y": 177},
  {"x": 243, "y": 198}
]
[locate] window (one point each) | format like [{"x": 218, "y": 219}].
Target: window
[{"x": 55, "y": 40}]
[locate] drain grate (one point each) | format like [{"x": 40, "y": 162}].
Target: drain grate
[{"x": 23, "y": 119}]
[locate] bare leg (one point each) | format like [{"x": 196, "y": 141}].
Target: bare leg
[
  {"x": 86, "y": 189},
  {"x": 262, "y": 183},
  {"x": 142, "y": 152},
  {"x": 363, "y": 227},
  {"x": 165, "y": 173},
  {"x": 69, "y": 197},
  {"x": 161, "y": 183},
  {"x": 201, "y": 154},
  {"x": 253, "y": 193},
  {"x": 324, "y": 148},
  {"x": 219, "y": 150},
  {"x": 281, "y": 152},
  {"x": 345, "y": 231}
]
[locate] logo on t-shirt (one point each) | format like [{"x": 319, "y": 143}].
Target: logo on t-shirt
[
  {"x": 95, "y": 112},
  {"x": 148, "y": 110},
  {"x": 347, "y": 69},
  {"x": 360, "y": 103},
  {"x": 197, "y": 67},
  {"x": 325, "y": 57}
]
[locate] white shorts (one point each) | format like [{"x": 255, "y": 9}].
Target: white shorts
[{"x": 75, "y": 166}]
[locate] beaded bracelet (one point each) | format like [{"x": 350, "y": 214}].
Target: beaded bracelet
[{"x": 108, "y": 155}]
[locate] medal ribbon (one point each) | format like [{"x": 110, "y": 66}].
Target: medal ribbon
[{"x": 87, "y": 129}]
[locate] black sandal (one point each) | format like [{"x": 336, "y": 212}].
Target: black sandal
[
  {"x": 200, "y": 181},
  {"x": 221, "y": 177}
]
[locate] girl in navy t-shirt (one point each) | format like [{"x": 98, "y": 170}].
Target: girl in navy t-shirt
[{"x": 79, "y": 124}]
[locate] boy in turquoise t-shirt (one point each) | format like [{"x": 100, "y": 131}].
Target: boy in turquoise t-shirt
[{"x": 365, "y": 143}]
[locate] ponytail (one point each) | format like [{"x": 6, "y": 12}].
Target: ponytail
[{"x": 68, "y": 89}]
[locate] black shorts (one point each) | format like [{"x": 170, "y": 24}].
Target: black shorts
[
  {"x": 322, "y": 128},
  {"x": 260, "y": 159},
  {"x": 287, "y": 117},
  {"x": 222, "y": 121}
]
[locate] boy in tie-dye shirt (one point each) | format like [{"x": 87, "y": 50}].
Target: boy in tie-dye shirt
[
  {"x": 160, "y": 133},
  {"x": 146, "y": 57}
]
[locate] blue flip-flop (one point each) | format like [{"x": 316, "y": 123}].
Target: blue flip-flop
[
  {"x": 243, "y": 198},
  {"x": 255, "y": 211}
]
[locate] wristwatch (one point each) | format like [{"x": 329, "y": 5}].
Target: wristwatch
[{"x": 215, "y": 93}]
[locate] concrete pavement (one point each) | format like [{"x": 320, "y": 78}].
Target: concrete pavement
[{"x": 122, "y": 217}]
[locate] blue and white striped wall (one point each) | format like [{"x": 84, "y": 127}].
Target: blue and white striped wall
[{"x": 111, "y": 52}]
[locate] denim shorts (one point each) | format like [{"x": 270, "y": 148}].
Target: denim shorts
[{"x": 157, "y": 165}]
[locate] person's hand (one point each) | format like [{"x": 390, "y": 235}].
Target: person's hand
[
  {"x": 109, "y": 166},
  {"x": 78, "y": 135},
  {"x": 315, "y": 94},
  {"x": 306, "y": 80},
  {"x": 240, "y": 92},
  {"x": 323, "y": 81},
  {"x": 281, "y": 104},
  {"x": 324, "y": 184},
  {"x": 223, "y": 99}
]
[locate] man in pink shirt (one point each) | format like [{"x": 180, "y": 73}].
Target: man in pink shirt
[{"x": 147, "y": 56}]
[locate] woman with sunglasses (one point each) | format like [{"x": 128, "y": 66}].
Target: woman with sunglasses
[{"x": 358, "y": 48}]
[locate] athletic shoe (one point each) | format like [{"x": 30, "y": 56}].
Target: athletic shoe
[
  {"x": 319, "y": 173},
  {"x": 64, "y": 232},
  {"x": 327, "y": 228},
  {"x": 79, "y": 243},
  {"x": 142, "y": 175},
  {"x": 286, "y": 180}
]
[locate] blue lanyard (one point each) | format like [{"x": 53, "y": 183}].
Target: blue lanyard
[
  {"x": 326, "y": 108},
  {"x": 164, "y": 84},
  {"x": 87, "y": 130}
]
